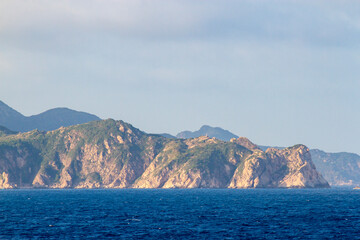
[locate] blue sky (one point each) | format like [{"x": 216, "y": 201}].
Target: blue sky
[{"x": 277, "y": 72}]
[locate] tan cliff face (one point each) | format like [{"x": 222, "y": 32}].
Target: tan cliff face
[
  {"x": 4, "y": 181},
  {"x": 113, "y": 154},
  {"x": 243, "y": 141},
  {"x": 290, "y": 168}
]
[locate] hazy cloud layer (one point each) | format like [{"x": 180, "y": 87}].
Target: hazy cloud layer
[
  {"x": 311, "y": 22},
  {"x": 278, "y": 72}
]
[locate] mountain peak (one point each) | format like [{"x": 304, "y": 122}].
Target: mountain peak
[
  {"x": 7, "y": 110},
  {"x": 205, "y": 127},
  {"x": 209, "y": 131},
  {"x": 9, "y": 117},
  {"x": 49, "y": 120}
]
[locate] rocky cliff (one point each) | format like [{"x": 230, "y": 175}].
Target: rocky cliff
[
  {"x": 114, "y": 154},
  {"x": 339, "y": 169}
]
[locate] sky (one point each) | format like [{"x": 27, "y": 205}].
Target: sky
[{"x": 277, "y": 72}]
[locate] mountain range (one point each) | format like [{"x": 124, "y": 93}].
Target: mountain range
[
  {"x": 339, "y": 169},
  {"x": 46, "y": 121},
  {"x": 114, "y": 154}
]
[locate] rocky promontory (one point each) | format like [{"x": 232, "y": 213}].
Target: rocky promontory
[{"x": 114, "y": 154}]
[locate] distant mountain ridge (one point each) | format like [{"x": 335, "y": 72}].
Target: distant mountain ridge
[
  {"x": 209, "y": 131},
  {"x": 339, "y": 169},
  {"x": 46, "y": 121},
  {"x": 166, "y": 135},
  {"x": 4, "y": 131}
]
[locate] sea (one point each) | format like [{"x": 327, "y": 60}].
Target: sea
[{"x": 180, "y": 214}]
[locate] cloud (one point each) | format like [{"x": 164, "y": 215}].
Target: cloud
[
  {"x": 121, "y": 17},
  {"x": 321, "y": 23},
  {"x": 285, "y": 65}
]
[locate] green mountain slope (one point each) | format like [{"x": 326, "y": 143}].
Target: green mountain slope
[{"x": 114, "y": 154}]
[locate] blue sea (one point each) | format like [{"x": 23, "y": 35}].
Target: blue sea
[{"x": 180, "y": 214}]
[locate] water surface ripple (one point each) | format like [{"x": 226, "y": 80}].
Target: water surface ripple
[{"x": 180, "y": 214}]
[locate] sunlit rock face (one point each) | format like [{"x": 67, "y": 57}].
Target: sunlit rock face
[
  {"x": 114, "y": 154},
  {"x": 290, "y": 168}
]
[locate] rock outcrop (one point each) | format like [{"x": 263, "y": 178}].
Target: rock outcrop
[
  {"x": 114, "y": 154},
  {"x": 290, "y": 168},
  {"x": 4, "y": 181}
]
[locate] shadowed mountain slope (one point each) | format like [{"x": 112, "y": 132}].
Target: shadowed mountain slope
[
  {"x": 340, "y": 169},
  {"x": 46, "y": 121}
]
